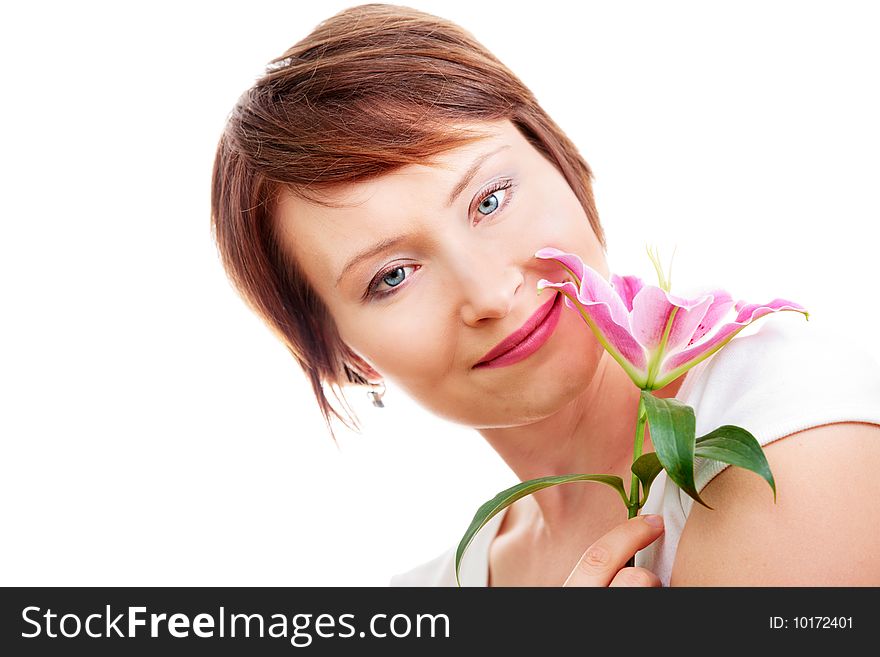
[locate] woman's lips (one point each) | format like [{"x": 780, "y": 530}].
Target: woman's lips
[{"x": 526, "y": 341}]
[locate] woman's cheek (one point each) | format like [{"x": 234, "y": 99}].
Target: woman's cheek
[
  {"x": 548, "y": 229},
  {"x": 411, "y": 341}
]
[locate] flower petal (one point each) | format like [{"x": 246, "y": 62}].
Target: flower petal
[
  {"x": 570, "y": 261},
  {"x": 627, "y": 287},
  {"x": 592, "y": 285},
  {"x": 600, "y": 308},
  {"x": 650, "y": 317},
  {"x": 676, "y": 364},
  {"x": 720, "y": 306}
]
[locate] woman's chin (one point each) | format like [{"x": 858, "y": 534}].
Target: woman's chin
[{"x": 539, "y": 399}]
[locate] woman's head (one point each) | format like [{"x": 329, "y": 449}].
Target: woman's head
[{"x": 358, "y": 133}]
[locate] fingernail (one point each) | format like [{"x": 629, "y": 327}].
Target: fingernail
[{"x": 653, "y": 520}]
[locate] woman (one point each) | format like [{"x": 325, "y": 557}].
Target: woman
[{"x": 378, "y": 197}]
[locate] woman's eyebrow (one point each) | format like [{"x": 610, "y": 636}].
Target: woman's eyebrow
[
  {"x": 393, "y": 241},
  {"x": 369, "y": 253},
  {"x": 470, "y": 173}
]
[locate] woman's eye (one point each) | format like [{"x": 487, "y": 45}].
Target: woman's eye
[
  {"x": 491, "y": 201},
  {"x": 490, "y": 204},
  {"x": 391, "y": 277}
]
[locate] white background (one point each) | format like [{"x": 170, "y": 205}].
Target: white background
[{"x": 154, "y": 432}]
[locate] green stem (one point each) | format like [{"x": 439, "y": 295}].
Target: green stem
[{"x": 633, "y": 506}]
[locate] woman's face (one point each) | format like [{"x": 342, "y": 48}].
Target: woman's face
[{"x": 456, "y": 276}]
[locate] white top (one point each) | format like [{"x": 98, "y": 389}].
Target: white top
[{"x": 787, "y": 376}]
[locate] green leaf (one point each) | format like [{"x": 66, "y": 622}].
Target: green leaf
[
  {"x": 673, "y": 431},
  {"x": 507, "y": 497},
  {"x": 646, "y": 468},
  {"x": 735, "y": 445}
]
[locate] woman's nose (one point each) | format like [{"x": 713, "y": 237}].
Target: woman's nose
[{"x": 490, "y": 293}]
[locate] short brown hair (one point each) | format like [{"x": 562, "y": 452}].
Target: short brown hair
[{"x": 373, "y": 88}]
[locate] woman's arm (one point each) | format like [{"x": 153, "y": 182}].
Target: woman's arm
[{"x": 824, "y": 529}]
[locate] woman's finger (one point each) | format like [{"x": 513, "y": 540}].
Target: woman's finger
[
  {"x": 601, "y": 561},
  {"x": 636, "y": 576}
]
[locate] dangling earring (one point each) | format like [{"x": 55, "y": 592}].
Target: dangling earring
[{"x": 376, "y": 394}]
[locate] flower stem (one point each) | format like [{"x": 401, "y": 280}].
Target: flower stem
[{"x": 633, "y": 506}]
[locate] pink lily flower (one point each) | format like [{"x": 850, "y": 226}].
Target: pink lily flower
[{"x": 654, "y": 335}]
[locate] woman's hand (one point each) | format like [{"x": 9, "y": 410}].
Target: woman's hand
[{"x": 602, "y": 563}]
